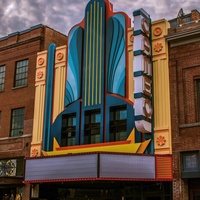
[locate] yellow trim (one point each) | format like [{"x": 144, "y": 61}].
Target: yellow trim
[
  {"x": 55, "y": 144},
  {"x": 121, "y": 148},
  {"x": 44, "y": 153},
  {"x": 131, "y": 137},
  {"x": 143, "y": 146}
]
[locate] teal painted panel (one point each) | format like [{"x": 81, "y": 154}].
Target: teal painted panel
[
  {"x": 73, "y": 84},
  {"x": 48, "y": 98},
  {"x": 115, "y": 57}
]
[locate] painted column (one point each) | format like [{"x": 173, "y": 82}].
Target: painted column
[
  {"x": 162, "y": 121},
  {"x": 40, "y": 87},
  {"x": 59, "y": 81},
  {"x": 130, "y": 38}
]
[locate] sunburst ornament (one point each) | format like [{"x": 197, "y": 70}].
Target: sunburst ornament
[
  {"x": 161, "y": 140},
  {"x": 34, "y": 153},
  {"x": 158, "y": 47},
  {"x": 40, "y": 74}
]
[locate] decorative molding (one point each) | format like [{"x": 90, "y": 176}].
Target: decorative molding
[
  {"x": 161, "y": 140},
  {"x": 157, "y": 31},
  {"x": 158, "y": 47},
  {"x": 34, "y": 153},
  {"x": 60, "y": 56},
  {"x": 40, "y": 61},
  {"x": 40, "y": 74},
  {"x": 131, "y": 37}
]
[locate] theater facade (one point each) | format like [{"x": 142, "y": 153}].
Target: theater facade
[{"x": 102, "y": 113}]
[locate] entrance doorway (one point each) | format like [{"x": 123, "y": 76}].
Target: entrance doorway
[{"x": 194, "y": 189}]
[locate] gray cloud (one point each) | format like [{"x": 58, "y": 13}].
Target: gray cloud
[{"x": 61, "y": 15}]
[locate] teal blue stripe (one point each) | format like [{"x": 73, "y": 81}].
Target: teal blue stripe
[
  {"x": 138, "y": 52},
  {"x": 138, "y": 32},
  {"x": 142, "y": 12},
  {"x": 140, "y": 95},
  {"x": 141, "y": 117},
  {"x": 48, "y": 98}
]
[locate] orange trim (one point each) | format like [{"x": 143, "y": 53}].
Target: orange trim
[
  {"x": 164, "y": 167},
  {"x": 94, "y": 145}
]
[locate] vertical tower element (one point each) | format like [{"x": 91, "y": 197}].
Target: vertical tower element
[
  {"x": 59, "y": 81},
  {"x": 40, "y": 86},
  {"x": 93, "y": 85},
  {"x": 142, "y": 71},
  {"x": 162, "y": 119},
  {"x": 99, "y": 79}
]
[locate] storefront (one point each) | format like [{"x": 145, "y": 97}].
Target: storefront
[
  {"x": 100, "y": 176},
  {"x": 109, "y": 190}
]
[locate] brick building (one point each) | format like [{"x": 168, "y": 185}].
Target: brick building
[
  {"x": 184, "y": 72},
  {"x": 18, "y": 53}
]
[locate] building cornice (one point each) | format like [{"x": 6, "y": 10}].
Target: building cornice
[{"x": 183, "y": 37}]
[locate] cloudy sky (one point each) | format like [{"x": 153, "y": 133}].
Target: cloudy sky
[{"x": 61, "y": 15}]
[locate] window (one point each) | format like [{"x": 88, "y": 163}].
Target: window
[
  {"x": 2, "y": 77},
  {"x": 198, "y": 98},
  {"x": 190, "y": 165},
  {"x": 12, "y": 167},
  {"x": 118, "y": 122},
  {"x": 21, "y": 73},
  {"x": 17, "y": 124},
  {"x": 8, "y": 167},
  {"x": 68, "y": 134},
  {"x": 92, "y": 127}
]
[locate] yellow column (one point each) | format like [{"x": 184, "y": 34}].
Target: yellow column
[
  {"x": 38, "y": 120},
  {"x": 59, "y": 81},
  {"x": 130, "y": 38},
  {"x": 162, "y": 122}
]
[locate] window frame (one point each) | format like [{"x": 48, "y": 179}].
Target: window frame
[
  {"x": 92, "y": 128},
  {"x": 187, "y": 170},
  {"x": 3, "y": 72},
  {"x": 21, "y": 73},
  {"x": 19, "y": 122},
  {"x": 118, "y": 127},
  {"x": 66, "y": 139},
  {"x": 197, "y": 83}
]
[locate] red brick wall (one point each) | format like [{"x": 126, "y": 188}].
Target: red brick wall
[
  {"x": 12, "y": 49},
  {"x": 184, "y": 68}
]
